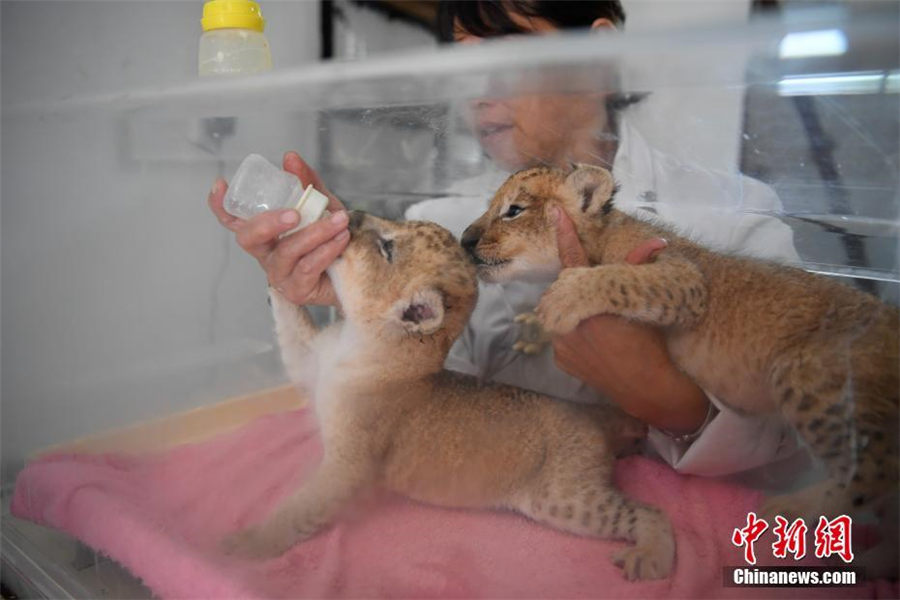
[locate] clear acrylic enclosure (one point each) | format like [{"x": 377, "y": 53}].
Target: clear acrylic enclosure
[{"x": 125, "y": 301}]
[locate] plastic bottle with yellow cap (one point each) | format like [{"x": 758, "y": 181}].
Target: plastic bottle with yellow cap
[{"x": 233, "y": 42}]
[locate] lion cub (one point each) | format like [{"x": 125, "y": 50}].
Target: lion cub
[
  {"x": 391, "y": 416},
  {"x": 760, "y": 337}
]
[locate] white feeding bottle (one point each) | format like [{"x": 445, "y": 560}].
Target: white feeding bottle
[{"x": 259, "y": 186}]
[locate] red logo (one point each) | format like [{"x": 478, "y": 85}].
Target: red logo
[
  {"x": 748, "y": 535},
  {"x": 831, "y": 537}
]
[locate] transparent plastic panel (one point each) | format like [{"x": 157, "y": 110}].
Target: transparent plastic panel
[
  {"x": 804, "y": 104},
  {"x": 125, "y": 300}
]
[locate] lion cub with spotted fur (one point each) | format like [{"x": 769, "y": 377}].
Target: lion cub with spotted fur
[
  {"x": 758, "y": 336},
  {"x": 390, "y": 416}
]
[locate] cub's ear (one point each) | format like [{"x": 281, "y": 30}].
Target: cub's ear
[
  {"x": 594, "y": 187},
  {"x": 421, "y": 312}
]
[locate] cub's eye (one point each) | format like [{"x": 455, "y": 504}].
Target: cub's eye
[
  {"x": 387, "y": 249},
  {"x": 513, "y": 211}
]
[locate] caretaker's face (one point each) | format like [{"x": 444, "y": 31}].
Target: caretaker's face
[{"x": 533, "y": 130}]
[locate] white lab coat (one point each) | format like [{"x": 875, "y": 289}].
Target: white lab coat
[{"x": 725, "y": 212}]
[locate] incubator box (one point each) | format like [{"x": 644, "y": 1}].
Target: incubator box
[{"x": 132, "y": 321}]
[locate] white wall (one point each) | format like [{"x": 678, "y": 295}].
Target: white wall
[
  {"x": 362, "y": 31},
  {"x": 123, "y": 298},
  {"x": 710, "y": 121}
]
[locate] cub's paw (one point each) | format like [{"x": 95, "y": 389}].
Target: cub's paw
[
  {"x": 565, "y": 304},
  {"x": 255, "y": 543},
  {"x": 645, "y": 562},
  {"x": 532, "y": 337}
]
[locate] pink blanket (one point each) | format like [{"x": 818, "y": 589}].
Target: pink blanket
[{"x": 161, "y": 516}]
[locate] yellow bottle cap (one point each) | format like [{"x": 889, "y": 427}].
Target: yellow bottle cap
[{"x": 232, "y": 14}]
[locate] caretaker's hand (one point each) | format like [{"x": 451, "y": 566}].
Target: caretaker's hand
[
  {"x": 625, "y": 360},
  {"x": 295, "y": 264}
]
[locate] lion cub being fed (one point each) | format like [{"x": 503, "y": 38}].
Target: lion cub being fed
[
  {"x": 390, "y": 416},
  {"x": 758, "y": 336}
]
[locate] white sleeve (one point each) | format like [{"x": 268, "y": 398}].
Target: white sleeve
[{"x": 759, "y": 450}]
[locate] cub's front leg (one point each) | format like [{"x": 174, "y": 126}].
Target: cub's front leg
[
  {"x": 295, "y": 331},
  {"x": 670, "y": 291},
  {"x": 302, "y": 515}
]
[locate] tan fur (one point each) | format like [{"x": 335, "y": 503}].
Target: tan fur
[
  {"x": 759, "y": 336},
  {"x": 390, "y": 416}
]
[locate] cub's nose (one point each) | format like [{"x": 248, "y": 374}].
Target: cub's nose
[
  {"x": 470, "y": 239},
  {"x": 357, "y": 217}
]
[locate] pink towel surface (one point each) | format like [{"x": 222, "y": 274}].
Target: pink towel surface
[{"x": 162, "y": 517}]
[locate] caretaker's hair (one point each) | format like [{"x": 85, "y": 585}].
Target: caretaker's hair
[{"x": 491, "y": 18}]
